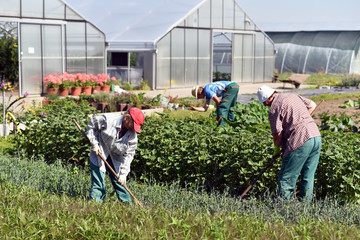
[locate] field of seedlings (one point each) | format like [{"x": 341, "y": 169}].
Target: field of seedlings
[{"x": 187, "y": 173}]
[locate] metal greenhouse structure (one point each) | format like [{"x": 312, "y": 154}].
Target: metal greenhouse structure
[
  {"x": 169, "y": 44},
  {"x": 52, "y": 38},
  {"x": 330, "y": 52}
]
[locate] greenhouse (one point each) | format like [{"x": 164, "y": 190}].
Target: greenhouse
[
  {"x": 329, "y": 52},
  {"x": 52, "y": 38},
  {"x": 168, "y": 44}
]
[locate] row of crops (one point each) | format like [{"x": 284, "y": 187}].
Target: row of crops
[{"x": 195, "y": 152}]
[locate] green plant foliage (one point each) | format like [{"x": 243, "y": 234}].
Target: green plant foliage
[
  {"x": 51, "y": 133},
  {"x": 249, "y": 115},
  {"x": 337, "y": 123},
  {"x": 9, "y": 64},
  {"x": 60, "y": 210},
  {"x": 351, "y": 80},
  {"x": 196, "y": 151},
  {"x": 144, "y": 85},
  {"x": 349, "y": 104},
  {"x": 127, "y": 86},
  {"x": 338, "y": 173}
]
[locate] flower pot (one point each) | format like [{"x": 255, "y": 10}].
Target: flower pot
[
  {"x": 105, "y": 88},
  {"x": 121, "y": 107},
  {"x": 75, "y": 91},
  {"x": 96, "y": 89},
  {"x": 52, "y": 91},
  {"x": 45, "y": 101},
  {"x": 86, "y": 90},
  {"x": 63, "y": 92},
  {"x": 100, "y": 106}
]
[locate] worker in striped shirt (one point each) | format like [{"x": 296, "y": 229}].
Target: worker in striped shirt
[{"x": 297, "y": 135}]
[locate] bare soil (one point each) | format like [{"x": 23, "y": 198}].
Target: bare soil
[{"x": 332, "y": 107}]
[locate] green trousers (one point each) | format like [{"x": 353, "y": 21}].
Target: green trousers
[
  {"x": 228, "y": 100},
  {"x": 304, "y": 161},
  {"x": 98, "y": 190}
]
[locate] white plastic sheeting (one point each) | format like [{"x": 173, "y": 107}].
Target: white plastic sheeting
[
  {"x": 136, "y": 24},
  {"x": 330, "y": 52}
]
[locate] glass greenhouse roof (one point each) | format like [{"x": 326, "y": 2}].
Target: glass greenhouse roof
[{"x": 136, "y": 24}]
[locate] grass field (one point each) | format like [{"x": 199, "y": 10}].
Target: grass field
[{"x": 38, "y": 201}]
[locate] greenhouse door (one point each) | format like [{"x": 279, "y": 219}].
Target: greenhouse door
[
  {"x": 243, "y": 58},
  {"x": 40, "y": 54}
]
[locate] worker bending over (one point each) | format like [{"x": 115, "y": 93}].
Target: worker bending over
[
  {"x": 295, "y": 131},
  {"x": 115, "y": 138},
  {"x": 226, "y": 90}
]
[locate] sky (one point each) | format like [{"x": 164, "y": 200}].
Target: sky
[{"x": 304, "y": 14}]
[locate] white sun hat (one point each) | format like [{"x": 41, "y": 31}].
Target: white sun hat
[
  {"x": 194, "y": 91},
  {"x": 264, "y": 92}
]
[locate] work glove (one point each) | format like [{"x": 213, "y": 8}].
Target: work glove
[
  {"x": 122, "y": 179},
  {"x": 96, "y": 149},
  {"x": 277, "y": 151}
]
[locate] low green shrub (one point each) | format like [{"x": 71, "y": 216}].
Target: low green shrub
[
  {"x": 41, "y": 201},
  {"x": 351, "y": 80},
  {"x": 51, "y": 133},
  {"x": 196, "y": 151}
]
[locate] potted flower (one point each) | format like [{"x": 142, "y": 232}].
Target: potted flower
[
  {"x": 52, "y": 83},
  {"x": 76, "y": 85},
  {"x": 65, "y": 84},
  {"x": 105, "y": 82},
  {"x": 87, "y": 85},
  {"x": 96, "y": 84}
]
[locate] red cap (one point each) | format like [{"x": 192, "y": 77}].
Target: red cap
[{"x": 138, "y": 117}]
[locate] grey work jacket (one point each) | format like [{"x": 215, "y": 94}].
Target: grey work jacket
[{"x": 104, "y": 130}]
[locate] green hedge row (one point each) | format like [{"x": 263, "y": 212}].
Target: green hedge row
[{"x": 196, "y": 151}]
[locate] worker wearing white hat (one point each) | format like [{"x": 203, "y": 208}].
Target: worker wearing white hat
[{"x": 296, "y": 133}]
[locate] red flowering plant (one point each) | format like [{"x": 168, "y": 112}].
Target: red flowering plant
[
  {"x": 104, "y": 79},
  {"x": 85, "y": 80},
  {"x": 94, "y": 80},
  {"x": 66, "y": 80},
  {"x": 52, "y": 81}
]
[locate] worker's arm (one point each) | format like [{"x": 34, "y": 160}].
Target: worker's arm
[
  {"x": 216, "y": 100},
  {"x": 277, "y": 139},
  {"x": 203, "y": 108},
  {"x": 311, "y": 107}
]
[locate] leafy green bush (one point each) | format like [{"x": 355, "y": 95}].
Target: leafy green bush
[
  {"x": 337, "y": 123},
  {"x": 351, "y": 80},
  {"x": 196, "y": 152},
  {"x": 51, "y": 133}
]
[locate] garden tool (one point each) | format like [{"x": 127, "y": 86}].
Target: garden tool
[
  {"x": 111, "y": 169},
  {"x": 270, "y": 163}
]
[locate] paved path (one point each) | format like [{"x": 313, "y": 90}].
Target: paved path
[{"x": 247, "y": 92}]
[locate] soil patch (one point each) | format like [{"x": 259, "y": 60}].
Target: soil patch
[{"x": 332, "y": 107}]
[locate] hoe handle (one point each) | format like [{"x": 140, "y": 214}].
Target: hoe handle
[
  {"x": 108, "y": 165},
  {"x": 271, "y": 162}
]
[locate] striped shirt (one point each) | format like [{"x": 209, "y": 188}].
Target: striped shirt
[
  {"x": 289, "y": 114},
  {"x": 104, "y": 130}
]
